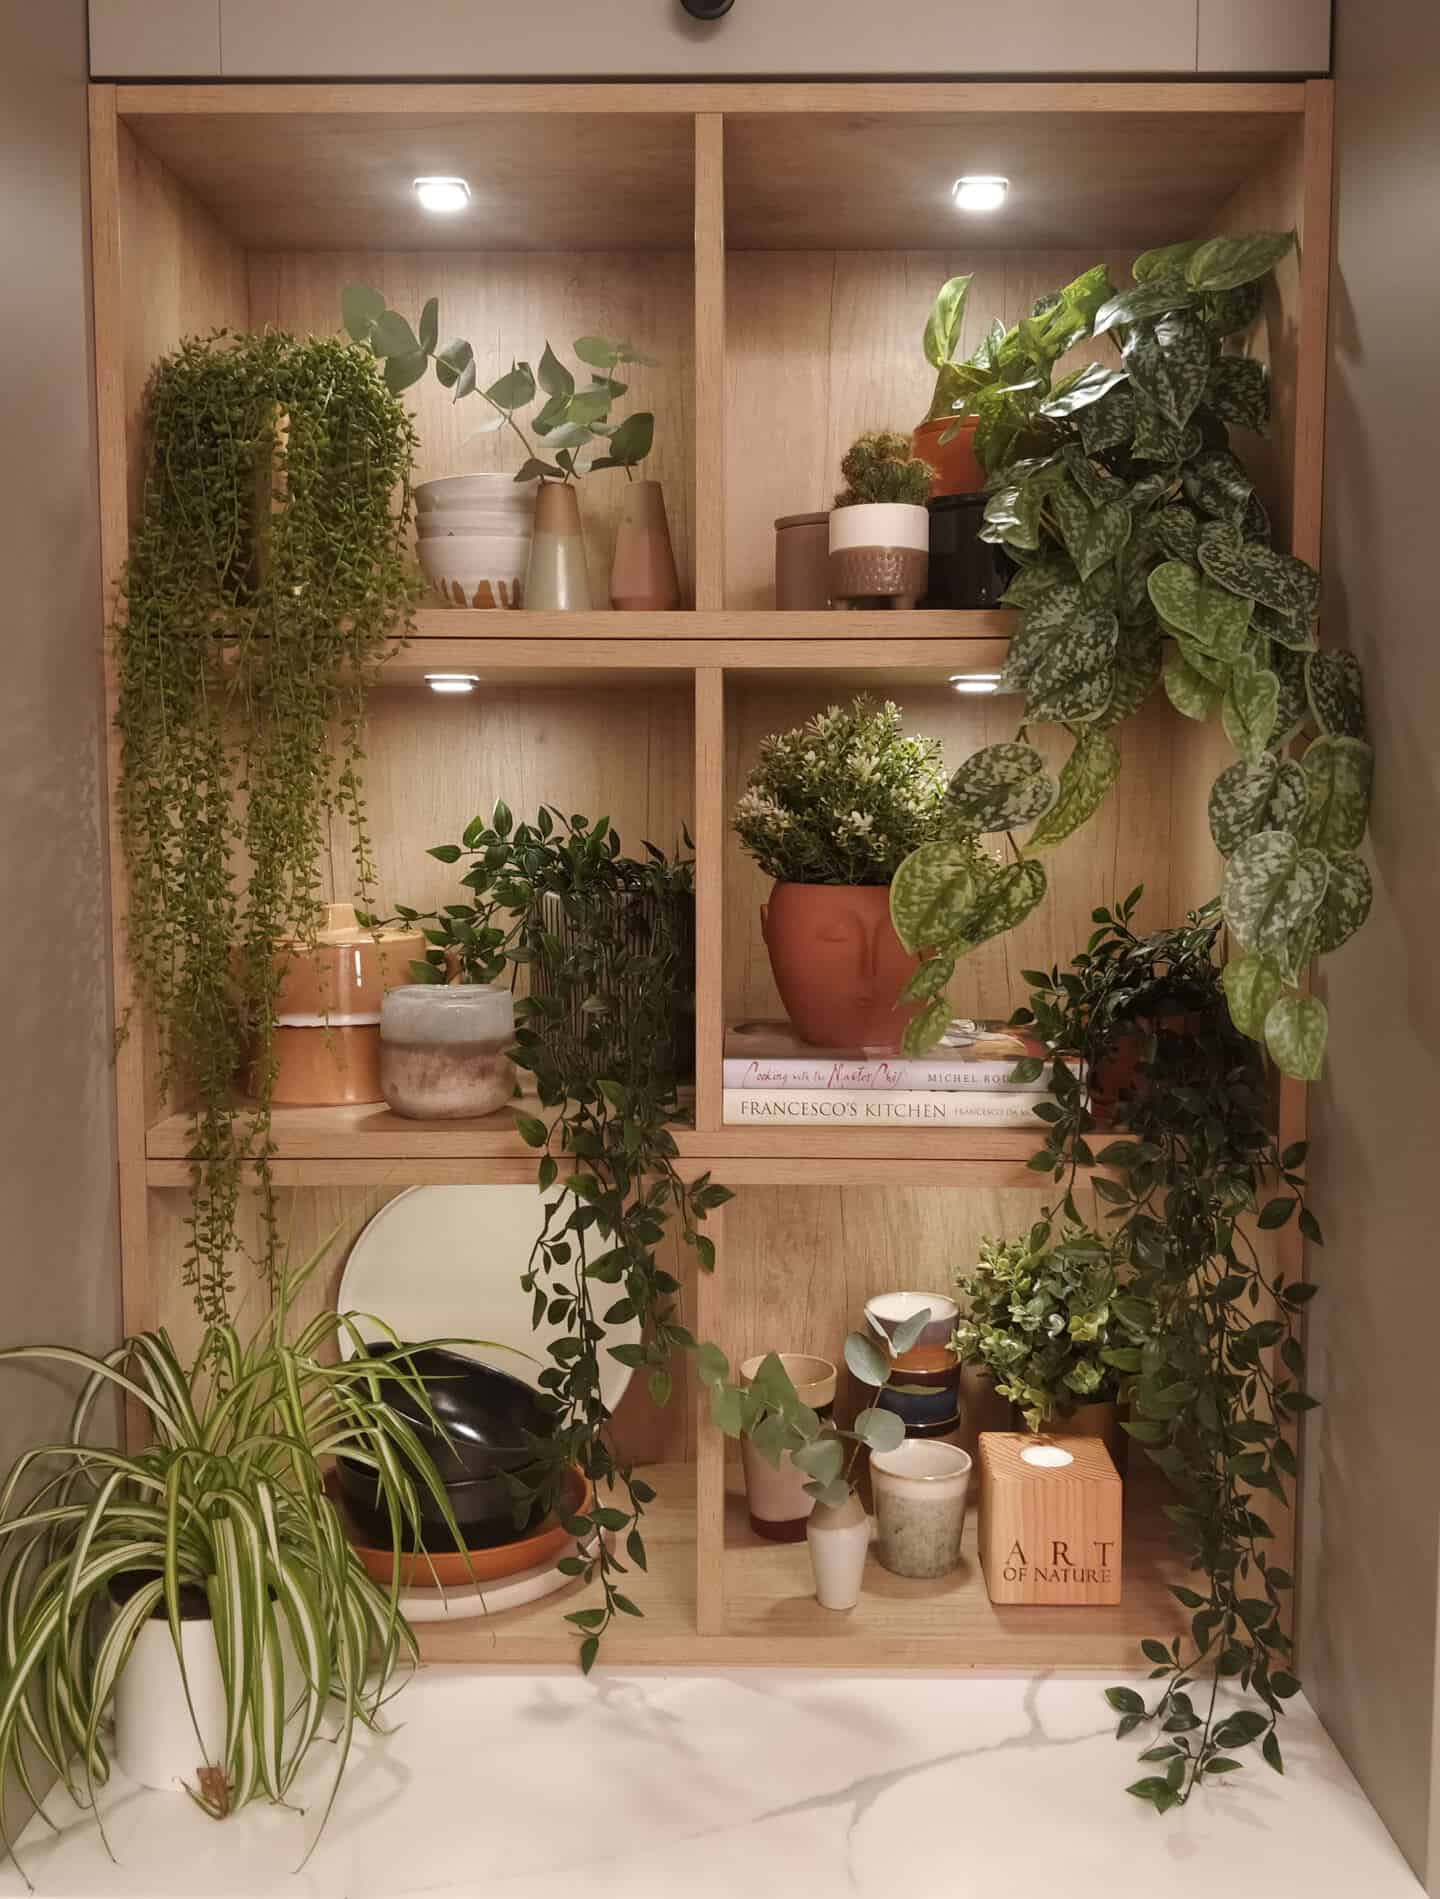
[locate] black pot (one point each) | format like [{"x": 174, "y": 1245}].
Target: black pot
[
  {"x": 488, "y": 1416},
  {"x": 964, "y": 570},
  {"x": 484, "y": 1510}
]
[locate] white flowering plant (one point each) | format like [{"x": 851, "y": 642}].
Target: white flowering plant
[{"x": 844, "y": 799}]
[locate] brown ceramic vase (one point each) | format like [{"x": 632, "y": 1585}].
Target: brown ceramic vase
[
  {"x": 838, "y": 963},
  {"x": 643, "y": 577}
]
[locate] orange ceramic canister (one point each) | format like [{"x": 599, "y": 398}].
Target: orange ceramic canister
[{"x": 327, "y": 1010}]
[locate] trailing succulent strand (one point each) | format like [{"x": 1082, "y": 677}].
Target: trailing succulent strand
[
  {"x": 1144, "y": 554},
  {"x": 1201, "y": 1327},
  {"x": 268, "y": 578},
  {"x": 609, "y": 942}
]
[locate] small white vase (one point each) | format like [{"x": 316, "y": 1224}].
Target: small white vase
[
  {"x": 156, "y": 1741},
  {"x": 839, "y": 1540}
]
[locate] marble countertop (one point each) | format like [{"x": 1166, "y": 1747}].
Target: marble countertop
[{"x": 521, "y": 1784}]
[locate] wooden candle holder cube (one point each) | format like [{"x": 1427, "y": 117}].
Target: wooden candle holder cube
[{"x": 1049, "y": 1532}]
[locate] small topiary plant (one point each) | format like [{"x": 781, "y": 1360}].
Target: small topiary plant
[{"x": 880, "y": 467}]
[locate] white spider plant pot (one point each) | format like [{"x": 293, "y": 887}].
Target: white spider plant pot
[
  {"x": 879, "y": 553},
  {"x": 158, "y": 1742}
]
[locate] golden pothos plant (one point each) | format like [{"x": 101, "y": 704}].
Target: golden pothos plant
[{"x": 1144, "y": 559}]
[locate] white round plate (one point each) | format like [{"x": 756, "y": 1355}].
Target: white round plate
[
  {"x": 445, "y": 1263},
  {"x": 455, "y": 1604}
]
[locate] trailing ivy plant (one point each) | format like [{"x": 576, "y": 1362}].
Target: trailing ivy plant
[
  {"x": 1145, "y": 553},
  {"x": 268, "y": 579},
  {"x": 1207, "y": 1331},
  {"x": 609, "y": 941},
  {"x": 570, "y": 418}
]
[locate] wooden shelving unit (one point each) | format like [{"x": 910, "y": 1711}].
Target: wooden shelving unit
[{"x": 776, "y": 249}]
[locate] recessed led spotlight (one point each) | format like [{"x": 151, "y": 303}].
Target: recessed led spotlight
[
  {"x": 452, "y": 682},
  {"x": 980, "y": 193},
  {"x": 975, "y": 682},
  {"x": 442, "y": 194}
]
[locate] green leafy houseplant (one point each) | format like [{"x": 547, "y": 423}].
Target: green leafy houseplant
[
  {"x": 571, "y": 417},
  {"x": 227, "y": 1503},
  {"x": 1145, "y": 553},
  {"x": 1039, "y": 1320},
  {"x": 268, "y": 579},
  {"x": 610, "y": 944},
  {"x": 881, "y": 468},
  {"x": 844, "y": 798},
  {"x": 770, "y": 1413},
  {"x": 1209, "y": 1330}
]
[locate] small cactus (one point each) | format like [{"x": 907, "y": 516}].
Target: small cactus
[{"x": 880, "y": 467}]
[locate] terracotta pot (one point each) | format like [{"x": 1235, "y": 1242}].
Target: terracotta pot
[
  {"x": 777, "y": 1501},
  {"x": 838, "y": 964},
  {"x": 643, "y": 577},
  {"x": 957, "y": 468},
  {"x": 557, "y": 579}
]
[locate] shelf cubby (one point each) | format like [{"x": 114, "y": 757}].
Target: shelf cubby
[{"x": 776, "y": 247}]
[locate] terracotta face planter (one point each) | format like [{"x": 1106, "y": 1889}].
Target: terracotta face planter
[
  {"x": 957, "y": 467},
  {"x": 838, "y": 963}
]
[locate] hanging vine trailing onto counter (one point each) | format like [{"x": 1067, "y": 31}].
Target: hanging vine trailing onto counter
[
  {"x": 1144, "y": 553},
  {"x": 1212, "y": 1360},
  {"x": 605, "y": 1031},
  {"x": 268, "y": 579}
]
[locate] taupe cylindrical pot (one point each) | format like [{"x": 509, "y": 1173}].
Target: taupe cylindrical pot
[
  {"x": 779, "y": 1507},
  {"x": 557, "y": 580},
  {"x": 643, "y": 578},
  {"x": 802, "y": 562}
]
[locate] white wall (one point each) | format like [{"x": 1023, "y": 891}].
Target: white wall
[{"x": 1369, "y": 1576}]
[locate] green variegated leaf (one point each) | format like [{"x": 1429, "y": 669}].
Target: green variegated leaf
[
  {"x": 1271, "y": 885},
  {"x": 1177, "y": 530},
  {"x": 1335, "y": 687},
  {"x": 1156, "y": 438},
  {"x": 1005, "y": 901},
  {"x": 1270, "y": 794},
  {"x": 942, "y": 326},
  {"x": 1218, "y": 485},
  {"x": 1228, "y": 311},
  {"x": 1080, "y": 391},
  {"x": 1248, "y": 711},
  {"x": 1046, "y": 618},
  {"x": 1000, "y": 787},
  {"x": 1239, "y": 392},
  {"x": 1348, "y": 896},
  {"x": 1072, "y": 677},
  {"x": 1212, "y": 666},
  {"x": 1223, "y": 555},
  {"x": 1134, "y": 674},
  {"x": 1300, "y": 947},
  {"x": 1012, "y": 515},
  {"x": 923, "y": 1031},
  {"x": 1223, "y": 263},
  {"x": 1211, "y": 616},
  {"x": 1252, "y": 988},
  {"x": 1098, "y": 488},
  {"x": 1072, "y": 513},
  {"x": 1298, "y": 635},
  {"x": 1167, "y": 260},
  {"x": 1339, "y": 771},
  {"x": 1169, "y": 361},
  {"x": 1039, "y": 577},
  {"x": 1085, "y": 778},
  {"x": 931, "y": 979},
  {"x": 1106, "y": 533},
  {"x": 931, "y": 894},
  {"x": 1282, "y": 582},
  {"x": 1141, "y": 301},
  {"x": 1188, "y": 690},
  {"x": 1290, "y": 714},
  {"x": 1295, "y": 1032},
  {"x": 1110, "y": 422}
]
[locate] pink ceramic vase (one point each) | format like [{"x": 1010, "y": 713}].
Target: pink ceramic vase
[{"x": 643, "y": 578}]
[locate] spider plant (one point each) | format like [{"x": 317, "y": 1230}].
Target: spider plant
[{"x": 228, "y": 1498}]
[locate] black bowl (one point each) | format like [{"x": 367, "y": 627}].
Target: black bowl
[
  {"x": 488, "y": 1416},
  {"x": 484, "y": 1511}
]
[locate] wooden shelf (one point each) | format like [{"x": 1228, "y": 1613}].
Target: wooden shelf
[
  {"x": 455, "y": 623},
  {"x": 772, "y": 1618}
]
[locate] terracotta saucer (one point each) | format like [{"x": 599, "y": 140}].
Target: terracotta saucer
[{"x": 451, "y": 1569}]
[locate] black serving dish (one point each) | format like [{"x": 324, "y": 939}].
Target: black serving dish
[
  {"x": 490, "y": 1422},
  {"x": 965, "y": 571}
]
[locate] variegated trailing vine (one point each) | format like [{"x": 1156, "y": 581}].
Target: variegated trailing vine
[
  {"x": 1144, "y": 556},
  {"x": 269, "y": 576}
]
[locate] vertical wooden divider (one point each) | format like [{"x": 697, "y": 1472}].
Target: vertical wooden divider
[
  {"x": 109, "y": 316},
  {"x": 709, "y": 361},
  {"x": 709, "y": 1037}
]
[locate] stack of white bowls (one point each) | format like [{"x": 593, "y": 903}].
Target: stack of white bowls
[{"x": 475, "y": 538}]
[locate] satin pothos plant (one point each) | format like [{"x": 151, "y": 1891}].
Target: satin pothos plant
[{"x": 1145, "y": 562}]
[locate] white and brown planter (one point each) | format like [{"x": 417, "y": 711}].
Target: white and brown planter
[{"x": 879, "y": 554}]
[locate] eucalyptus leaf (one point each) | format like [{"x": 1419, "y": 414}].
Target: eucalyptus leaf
[
  {"x": 402, "y": 372},
  {"x": 554, "y": 378},
  {"x": 865, "y": 1359},
  {"x": 359, "y": 308},
  {"x": 391, "y": 335},
  {"x": 879, "y": 1430},
  {"x": 429, "y": 329},
  {"x": 823, "y": 1459},
  {"x": 632, "y": 441},
  {"x": 514, "y": 389}
]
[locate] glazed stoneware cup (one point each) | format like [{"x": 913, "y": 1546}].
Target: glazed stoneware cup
[
  {"x": 779, "y": 1507},
  {"x": 887, "y": 1310},
  {"x": 920, "y": 1495}
]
